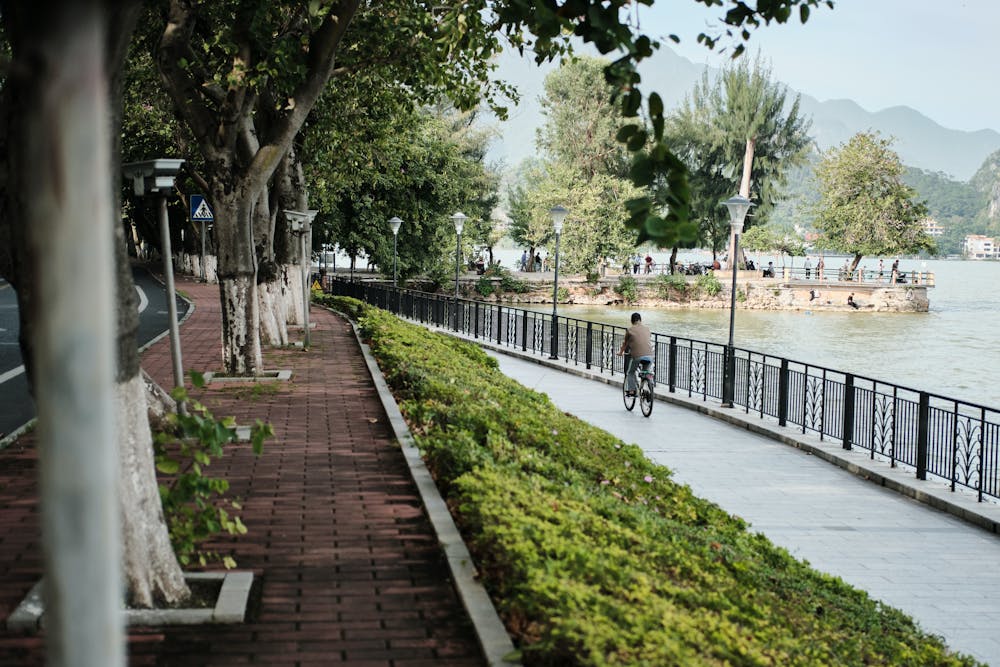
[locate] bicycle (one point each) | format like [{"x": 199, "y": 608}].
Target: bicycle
[{"x": 644, "y": 391}]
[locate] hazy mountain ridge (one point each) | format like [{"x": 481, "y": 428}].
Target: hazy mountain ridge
[{"x": 919, "y": 141}]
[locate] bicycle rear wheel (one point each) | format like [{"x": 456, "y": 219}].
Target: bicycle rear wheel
[
  {"x": 646, "y": 397},
  {"x": 629, "y": 400}
]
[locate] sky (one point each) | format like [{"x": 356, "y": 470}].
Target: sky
[{"x": 939, "y": 57}]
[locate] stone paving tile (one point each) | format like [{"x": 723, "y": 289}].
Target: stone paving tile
[{"x": 347, "y": 567}]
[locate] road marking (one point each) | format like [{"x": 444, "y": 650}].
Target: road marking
[
  {"x": 143, "y": 301},
  {"x": 11, "y": 374}
]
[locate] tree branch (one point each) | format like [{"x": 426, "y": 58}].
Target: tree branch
[
  {"x": 323, "y": 48},
  {"x": 183, "y": 89}
]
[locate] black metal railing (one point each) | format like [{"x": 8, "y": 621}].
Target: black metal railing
[{"x": 936, "y": 435}]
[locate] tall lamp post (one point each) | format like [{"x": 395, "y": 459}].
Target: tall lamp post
[
  {"x": 459, "y": 220},
  {"x": 301, "y": 222},
  {"x": 558, "y": 214},
  {"x": 157, "y": 177},
  {"x": 394, "y": 224},
  {"x": 738, "y": 207}
]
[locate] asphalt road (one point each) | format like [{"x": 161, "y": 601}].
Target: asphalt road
[{"x": 16, "y": 406}]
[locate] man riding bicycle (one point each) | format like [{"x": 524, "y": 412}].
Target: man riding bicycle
[{"x": 639, "y": 347}]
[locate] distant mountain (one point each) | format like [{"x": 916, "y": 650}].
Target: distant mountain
[{"x": 919, "y": 141}]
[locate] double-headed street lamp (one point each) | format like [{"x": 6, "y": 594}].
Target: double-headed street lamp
[
  {"x": 157, "y": 177},
  {"x": 394, "y": 224},
  {"x": 300, "y": 222},
  {"x": 558, "y": 214},
  {"x": 738, "y": 207},
  {"x": 459, "y": 220}
]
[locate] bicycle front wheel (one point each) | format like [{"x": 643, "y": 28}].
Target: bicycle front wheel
[
  {"x": 646, "y": 397},
  {"x": 629, "y": 400}
]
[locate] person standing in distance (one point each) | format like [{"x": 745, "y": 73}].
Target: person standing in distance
[{"x": 638, "y": 344}]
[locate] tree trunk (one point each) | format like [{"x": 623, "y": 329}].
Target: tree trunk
[
  {"x": 673, "y": 259},
  {"x": 57, "y": 208},
  {"x": 289, "y": 193},
  {"x": 149, "y": 563},
  {"x": 241, "y": 350},
  {"x": 152, "y": 574},
  {"x": 277, "y": 299},
  {"x": 744, "y": 192},
  {"x": 151, "y": 571}
]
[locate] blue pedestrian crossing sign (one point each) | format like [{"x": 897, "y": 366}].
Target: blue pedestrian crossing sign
[{"x": 200, "y": 210}]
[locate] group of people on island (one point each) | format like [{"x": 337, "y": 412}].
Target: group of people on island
[{"x": 536, "y": 263}]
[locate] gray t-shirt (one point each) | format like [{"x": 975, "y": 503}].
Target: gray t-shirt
[{"x": 637, "y": 340}]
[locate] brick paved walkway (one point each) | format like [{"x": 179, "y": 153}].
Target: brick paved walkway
[{"x": 348, "y": 568}]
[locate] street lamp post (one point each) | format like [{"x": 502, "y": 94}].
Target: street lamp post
[
  {"x": 394, "y": 224},
  {"x": 300, "y": 222},
  {"x": 738, "y": 207},
  {"x": 558, "y": 214},
  {"x": 459, "y": 220},
  {"x": 157, "y": 177}
]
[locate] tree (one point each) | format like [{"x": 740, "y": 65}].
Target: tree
[
  {"x": 582, "y": 120},
  {"x": 584, "y": 170},
  {"x": 740, "y": 124},
  {"x": 378, "y": 161},
  {"x": 151, "y": 570},
  {"x": 60, "y": 112},
  {"x": 865, "y": 208}
]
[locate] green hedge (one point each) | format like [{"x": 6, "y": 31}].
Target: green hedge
[{"x": 593, "y": 554}]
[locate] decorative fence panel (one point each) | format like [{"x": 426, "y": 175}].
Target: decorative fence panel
[{"x": 950, "y": 439}]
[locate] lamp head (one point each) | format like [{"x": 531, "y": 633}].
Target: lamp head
[
  {"x": 300, "y": 220},
  {"x": 459, "y": 220},
  {"x": 151, "y": 176},
  {"x": 394, "y": 223},
  {"x": 558, "y": 213},
  {"x": 738, "y": 207}
]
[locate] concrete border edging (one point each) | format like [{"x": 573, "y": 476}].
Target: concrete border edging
[
  {"x": 230, "y": 605},
  {"x": 493, "y": 638}
]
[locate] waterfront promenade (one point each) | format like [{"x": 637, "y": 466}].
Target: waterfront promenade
[
  {"x": 933, "y": 566},
  {"x": 350, "y": 571}
]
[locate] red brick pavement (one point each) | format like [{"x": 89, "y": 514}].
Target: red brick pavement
[{"x": 347, "y": 567}]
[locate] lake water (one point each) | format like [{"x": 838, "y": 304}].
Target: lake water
[{"x": 952, "y": 350}]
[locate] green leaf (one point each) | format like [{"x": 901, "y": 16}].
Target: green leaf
[
  {"x": 626, "y": 131},
  {"x": 168, "y": 466},
  {"x": 655, "y": 105},
  {"x": 197, "y": 379},
  {"x": 643, "y": 170},
  {"x": 637, "y": 141}
]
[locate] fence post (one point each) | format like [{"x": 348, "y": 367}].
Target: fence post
[
  {"x": 590, "y": 343},
  {"x": 923, "y": 427},
  {"x": 672, "y": 365},
  {"x": 475, "y": 325},
  {"x": 783, "y": 393},
  {"x": 848, "y": 411},
  {"x": 524, "y": 331},
  {"x": 499, "y": 324}
]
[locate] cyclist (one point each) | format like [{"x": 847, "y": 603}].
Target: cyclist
[{"x": 638, "y": 344}]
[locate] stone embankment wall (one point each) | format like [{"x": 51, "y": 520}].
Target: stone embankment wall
[{"x": 753, "y": 293}]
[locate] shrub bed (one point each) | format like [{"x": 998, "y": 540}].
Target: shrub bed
[{"x": 593, "y": 554}]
